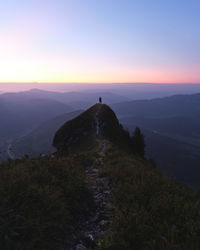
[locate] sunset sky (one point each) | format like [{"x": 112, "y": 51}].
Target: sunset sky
[{"x": 100, "y": 41}]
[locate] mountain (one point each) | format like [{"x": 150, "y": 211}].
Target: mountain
[
  {"x": 98, "y": 120},
  {"x": 133, "y": 91},
  {"x": 28, "y": 109},
  {"x": 171, "y": 127},
  {"x": 21, "y": 114},
  {"x": 86, "y": 99},
  {"x": 168, "y": 138},
  {"x": 39, "y": 141},
  {"x": 173, "y": 156},
  {"x": 76, "y": 99},
  {"x": 178, "y": 105},
  {"x": 173, "y": 142},
  {"x": 177, "y": 126},
  {"x": 95, "y": 193}
]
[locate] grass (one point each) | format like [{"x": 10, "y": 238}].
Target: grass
[
  {"x": 76, "y": 131},
  {"x": 80, "y": 132},
  {"x": 151, "y": 211},
  {"x": 42, "y": 202}
]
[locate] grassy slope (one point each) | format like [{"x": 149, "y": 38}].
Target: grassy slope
[
  {"x": 42, "y": 202},
  {"x": 76, "y": 131},
  {"x": 81, "y": 131},
  {"x": 151, "y": 211},
  {"x": 173, "y": 157}
]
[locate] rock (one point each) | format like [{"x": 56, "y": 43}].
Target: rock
[
  {"x": 98, "y": 196},
  {"x": 88, "y": 241},
  {"x": 103, "y": 223},
  {"x": 91, "y": 237},
  {"x": 80, "y": 247},
  {"x": 107, "y": 192}
]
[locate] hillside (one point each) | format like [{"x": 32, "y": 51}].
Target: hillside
[
  {"x": 168, "y": 137},
  {"x": 29, "y": 109},
  {"x": 39, "y": 141},
  {"x": 20, "y": 115},
  {"x": 173, "y": 142},
  {"x": 174, "y": 157},
  {"x": 178, "y": 105},
  {"x": 171, "y": 128},
  {"x": 96, "y": 192},
  {"x": 98, "y": 120}
]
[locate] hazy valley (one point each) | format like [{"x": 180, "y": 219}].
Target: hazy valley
[
  {"x": 97, "y": 190},
  {"x": 170, "y": 125},
  {"x": 99, "y": 125}
]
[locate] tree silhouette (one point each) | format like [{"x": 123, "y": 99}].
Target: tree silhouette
[{"x": 138, "y": 142}]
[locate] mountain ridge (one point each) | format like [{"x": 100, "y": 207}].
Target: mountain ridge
[
  {"x": 176, "y": 105},
  {"x": 98, "y": 121},
  {"x": 98, "y": 195}
]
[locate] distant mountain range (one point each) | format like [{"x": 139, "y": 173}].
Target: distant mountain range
[
  {"x": 178, "y": 105},
  {"x": 172, "y": 130},
  {"x": 20, "y": 114},
  {"x": 39, "y": 141},
  {"x": 75, "y": 99},
  {"x": 23, "y": 111},
  {"x": 134, "y": 91},
  {"x": 171, "y": 125}
]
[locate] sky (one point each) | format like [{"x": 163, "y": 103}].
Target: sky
[{"x": 101, "y": 41}]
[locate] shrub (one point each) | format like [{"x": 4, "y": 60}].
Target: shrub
[{"x": 138, "y": 142}]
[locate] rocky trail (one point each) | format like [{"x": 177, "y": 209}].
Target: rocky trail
[
  {"x": 94, "y": 229},
  {"x": 97, "y": 120}
]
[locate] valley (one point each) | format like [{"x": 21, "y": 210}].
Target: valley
[
  {"x": 95, "y": 192},
  {"x": 99, "y": 125},
  {"x": 172, "y": 135}
]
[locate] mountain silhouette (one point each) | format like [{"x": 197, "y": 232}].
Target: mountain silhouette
[{"x": 97, "y": 121}]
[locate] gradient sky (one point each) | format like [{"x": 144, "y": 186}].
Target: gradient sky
[{"x": 100, "y": 41}]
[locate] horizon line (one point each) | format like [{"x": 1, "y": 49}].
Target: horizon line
[{"x": 37, "y": 82}]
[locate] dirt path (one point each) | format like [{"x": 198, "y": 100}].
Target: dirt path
[
  {"x": 95, "y": 228},
  {"x": 97, "y": 120}
]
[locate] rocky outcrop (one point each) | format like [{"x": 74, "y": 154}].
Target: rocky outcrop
[{"x": 98, "y": 121}]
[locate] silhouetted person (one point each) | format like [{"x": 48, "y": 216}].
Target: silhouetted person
[{"x": 100, "y": 99}]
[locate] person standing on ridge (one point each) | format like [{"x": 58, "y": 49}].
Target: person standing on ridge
[{"x": 100, "y": 99}]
